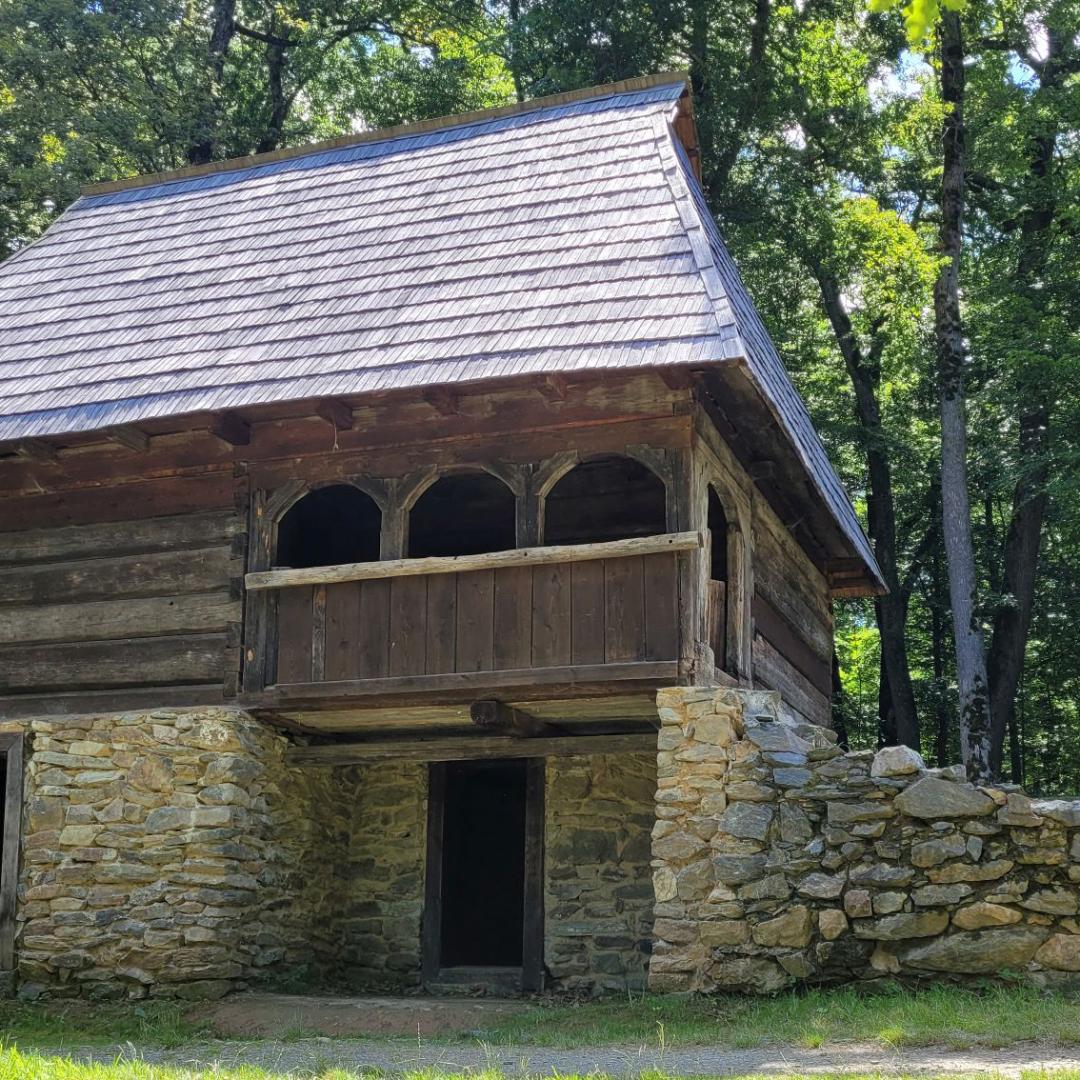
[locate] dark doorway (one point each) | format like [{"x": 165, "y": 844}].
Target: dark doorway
[
  {"x": 483, "y": 868},
  {"x": 484, "y": 903}
]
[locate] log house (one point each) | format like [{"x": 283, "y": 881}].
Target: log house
[{"x": 434, "y": 454}]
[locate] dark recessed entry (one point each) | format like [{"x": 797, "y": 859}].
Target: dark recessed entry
[
  {"x": 483, "y": 908},
  {"x": 483, "y": 865}
]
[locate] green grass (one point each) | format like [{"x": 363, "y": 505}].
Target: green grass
[
  {"x": 942, "y": 1015},
  {"x": 951, "y": 1017},
  {"x": 17, "y": 1066},
  {"x": 164, "y": 1024}
]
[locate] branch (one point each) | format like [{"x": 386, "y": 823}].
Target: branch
[{"x": 266, "y": 39}]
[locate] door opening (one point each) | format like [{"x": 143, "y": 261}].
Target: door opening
[
  {"x": 483, "y": 866},
  {"x": 483, "y": 914}
]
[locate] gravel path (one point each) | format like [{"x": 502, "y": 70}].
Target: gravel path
[{"x": 301, "y": 1056}]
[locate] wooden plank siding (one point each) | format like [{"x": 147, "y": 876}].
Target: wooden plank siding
[
  {"x": 510, "y": 618},
  {"x": 95, "y": 615}
]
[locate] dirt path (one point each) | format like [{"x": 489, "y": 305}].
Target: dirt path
[{"x": 302, "y": 1056}]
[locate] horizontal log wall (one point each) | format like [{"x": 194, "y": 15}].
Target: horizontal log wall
[
  {"x": 120, "y": 613},
  {"x": 793, "y": 623}
]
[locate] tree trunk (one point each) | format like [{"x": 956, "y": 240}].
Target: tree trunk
[
  {"x": 1012, "y": 619},
  {"x": 942, "y": 726},
  {"x": 205, "y": 136},
  {"x": 974, "y": 699},
  {"x": 899, "y": 720}
]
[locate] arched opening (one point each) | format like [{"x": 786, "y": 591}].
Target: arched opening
[
  {"x": 716, "y": 606},
  {"x": 328, "y": 526},
  {"x": 606, "y": 498},
  {"x": 463, "y": 514}
]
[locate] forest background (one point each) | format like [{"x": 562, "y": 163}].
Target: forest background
[{"x": 821, "y": 134}]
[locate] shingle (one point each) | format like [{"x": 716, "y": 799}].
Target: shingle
[{"x": 566, "y": 237}]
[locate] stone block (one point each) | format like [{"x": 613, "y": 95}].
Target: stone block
[
  {"x": 747, "y": 821},
  {"x": 832, "y": 923},
  {"x": 982, "y": 914},
  {"x": 975, "y": 952},
  {"x": 1061, "y": 952},
  {"x": 988, "y": 871},
  {"x": 790, "y": 930},
  {"x": 933, "y": 852},
  {"x": 897, "y": 761},
  {"x": 931, "y": 798},
  {"x": 917, "y": 924},
  {"x": 821, "y": 886}
]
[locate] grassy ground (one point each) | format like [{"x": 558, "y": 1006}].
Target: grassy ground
[
  {"x": 939, "y": 1016},
  {"x": 947, "y": 1017},
  {"x": 17, "y": 1066}
]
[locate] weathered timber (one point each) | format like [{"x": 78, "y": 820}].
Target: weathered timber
[
  {"x": 496, "y": 717},
  {"x": 443, "y": 400},
  {"x": 11, "y": 762},
  {"x": 336, "y": 413},
  {"x": 791, "y": 645},
  {"x": 584, "y": 680},
  {"x": 192, "y": 658},
  {"x": 773, "y": 672},
  {"x": 124, "y": 618},
  {"x": 469, "y": 748},
  {"x": 173, "y": 533},
  {"x": 36, "y": 450},
  {"x": 130, "y": 437},
  {"x": 538, "y": 556},
  {"x": 231, "y": 428},
  {"x": 129, "y": 699},
  {"x": 161, "y": 573},
  {"x": 532, "y": 952}
]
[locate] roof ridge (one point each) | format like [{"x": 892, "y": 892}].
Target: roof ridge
[{"x": 398, "y": 131}]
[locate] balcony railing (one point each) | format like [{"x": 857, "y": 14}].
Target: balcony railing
[{"x": 575, "y": 614}]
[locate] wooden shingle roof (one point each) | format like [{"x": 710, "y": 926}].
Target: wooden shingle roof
[{"x": 568, "y": 234}]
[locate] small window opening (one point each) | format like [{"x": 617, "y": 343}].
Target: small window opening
[
  {"x": 607, "y": 498},
  {"x": 463, "y": 514},
  {"x": 716, "y": 605},
  {"x": 329, "y": 526}
]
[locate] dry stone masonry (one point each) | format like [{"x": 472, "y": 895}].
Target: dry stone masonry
[
  {"x": 173, "y": 853},
  {"x": 598, "y": 902},
  {"x": 779, "y": 859}
]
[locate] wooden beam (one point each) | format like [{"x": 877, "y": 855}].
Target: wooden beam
[
  {"x": 469, "y": 748},
  {"x": 36, "y": 450},
  {"x": 231, "y": 428},
  {"x": 130, "y": 437},
  {"x": 498, "y": 718},
  {"x": 553, "y": 386},
  {"x": 442, "y": 400},
  {"x": 762, "y": 469},
  {"x": 676, "y": 378},
  {"x": 491, "y": 560},
  {"x": 336, "y": 413}
]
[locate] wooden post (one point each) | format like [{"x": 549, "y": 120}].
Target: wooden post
[
  {"x": 431, "y": 924},
  {"x": 532, "y": 943},
  {"x": 11, "y": 748}
]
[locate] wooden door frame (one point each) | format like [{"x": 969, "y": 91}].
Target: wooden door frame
[
  {"x": 532, "y": 952},
  {"x": 11, "y": 747}
]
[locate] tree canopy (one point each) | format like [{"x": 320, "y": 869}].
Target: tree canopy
[{"x": 821, "y": 124}]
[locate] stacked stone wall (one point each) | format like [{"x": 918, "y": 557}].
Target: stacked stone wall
[
  {"x": 598, "y": 895},
  {"x": 174, "y": 853},
  {"x": 380, "y": 907},
  {"x": 779, "y": 859}
]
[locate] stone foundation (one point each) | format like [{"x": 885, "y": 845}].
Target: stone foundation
[
  {"x": 380, "y": 905},
  {"x": 174, "y": 853},
  {"x": 598, "y": 896},
  {"x": 779, "y": 859}
]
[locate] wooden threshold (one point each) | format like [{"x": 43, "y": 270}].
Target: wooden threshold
[
  {"x": 583, "y": 679},
  {"x": 469, "y": 748}
]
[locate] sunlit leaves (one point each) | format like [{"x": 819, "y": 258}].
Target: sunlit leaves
[{"x": 920, "y": 16}]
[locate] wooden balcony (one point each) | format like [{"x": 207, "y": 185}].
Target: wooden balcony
[{"x": 543, "y": 622}]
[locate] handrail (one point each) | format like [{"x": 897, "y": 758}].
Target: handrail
[{"x": 491, "y": 560}]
